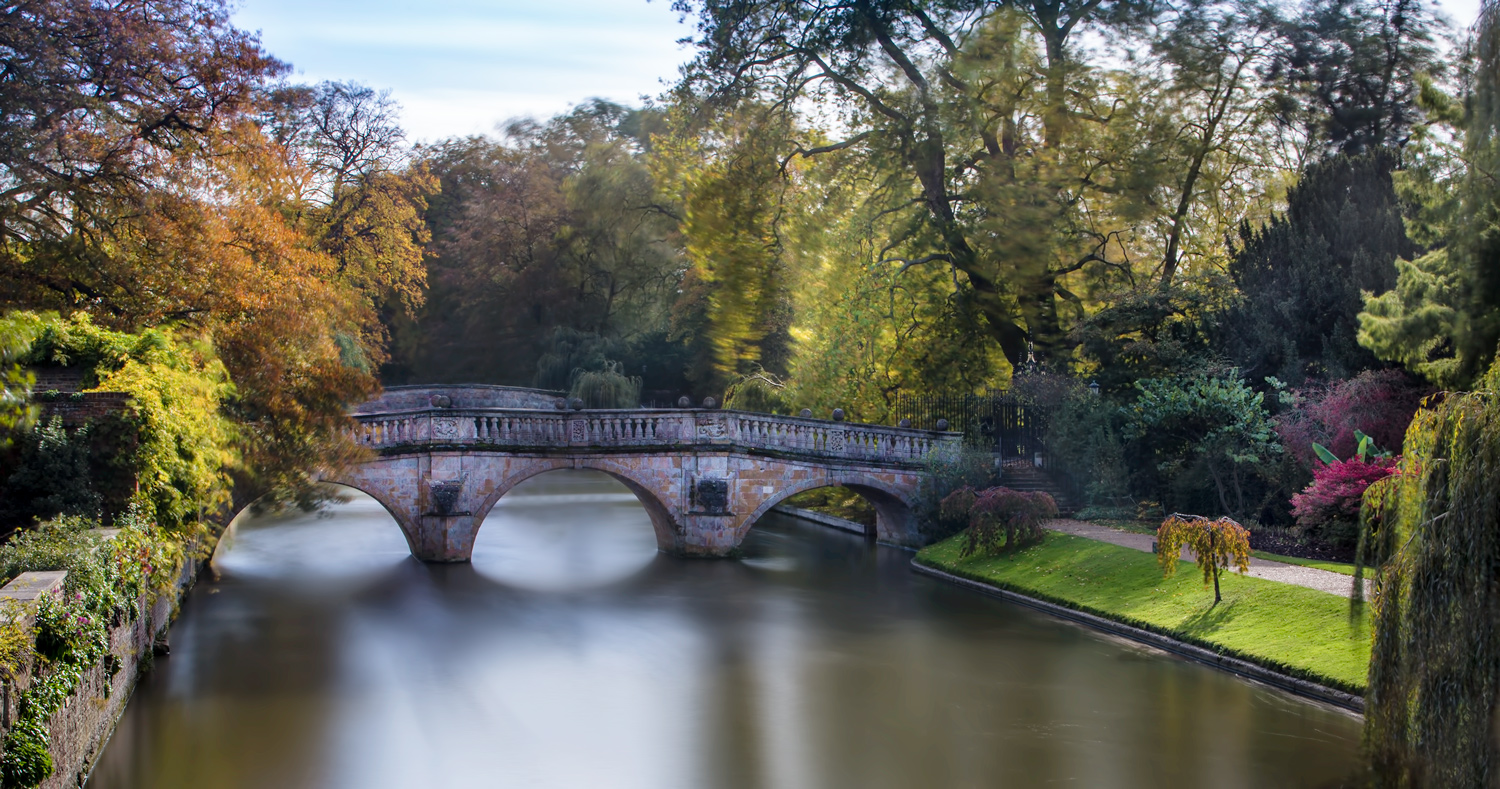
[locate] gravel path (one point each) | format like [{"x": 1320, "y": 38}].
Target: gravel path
[{"x": 1310, "y": 577}]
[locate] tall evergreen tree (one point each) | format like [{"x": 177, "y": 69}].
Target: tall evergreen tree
[{"x": 1301, "y": 275}]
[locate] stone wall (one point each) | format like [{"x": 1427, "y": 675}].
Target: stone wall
[{"x": 83, "y": 725}]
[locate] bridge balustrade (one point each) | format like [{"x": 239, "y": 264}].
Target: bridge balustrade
[{"x": 526, "y": 429}]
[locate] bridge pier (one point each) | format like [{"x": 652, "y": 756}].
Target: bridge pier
[{"x": 443, "y": 538}]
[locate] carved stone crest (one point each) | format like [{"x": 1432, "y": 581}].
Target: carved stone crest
[
  {"x": 445, "y": 427},
  {"x": 712, "y": 428},
  {"x": 444, "y": 496},
  {"x": 711, "y": 495}
]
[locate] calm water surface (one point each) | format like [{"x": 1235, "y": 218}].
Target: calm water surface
[{"x": 571, "y": 654}]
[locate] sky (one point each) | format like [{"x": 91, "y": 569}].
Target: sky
[{"x": 461, "y": 67}]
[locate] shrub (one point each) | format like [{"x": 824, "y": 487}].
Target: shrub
[
  {"x": 1083, "y": 439},
  {"x": 1202, "y": 439},
  {"x": 1329, "y": 508},
  {"x": 999, "y": 519},
  {"x": 52, "y": 478},
  {"x": 1377, "y": 402},
  {"x": 970, "y": 467}
]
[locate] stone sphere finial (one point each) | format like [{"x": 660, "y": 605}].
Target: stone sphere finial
[
  {"x": 560, "y": 404},
  {"x": 441, "y": 401},
  {"x": 904, "y": 423},
  {"x": 942, "y": 424},
  {"x": 684, "y": 402},
  {"x": 577, "y": 404},
  {"x": 805, "y": 413},
  {"x": 709, "y": 402},
  {"x": 838, "y": 414}
]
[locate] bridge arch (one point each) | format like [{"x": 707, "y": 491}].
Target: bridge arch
[
  {"x": 398, "y": 510},
  {"x": 662, "y": 520},
  {"x": 394, "y": 512},
  {"x": 893, "y": 505}
]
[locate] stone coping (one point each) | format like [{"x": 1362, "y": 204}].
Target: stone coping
[
  {"x": 30, "y": 585},
  {"x": 1241, "y": 668}
]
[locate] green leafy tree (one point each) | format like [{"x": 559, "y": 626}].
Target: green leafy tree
[
  {"x": 1186, "y": 429},
  {"x": 1442, "y": 320}
]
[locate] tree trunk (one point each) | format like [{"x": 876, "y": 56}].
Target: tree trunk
[{"x": 1212, "y": 561}]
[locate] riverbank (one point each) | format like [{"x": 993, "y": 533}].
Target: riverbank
[
  {"x": 1292, "y": 631},
  {"x": 88, "y": 691}
]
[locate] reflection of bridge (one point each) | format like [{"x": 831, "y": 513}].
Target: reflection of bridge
[{"x": 445, "y": 456}]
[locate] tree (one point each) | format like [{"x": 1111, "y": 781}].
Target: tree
[
  {"x": 1213, "y": 426},
  {"x": 557, "y": 230},
  {"x": 736, "y": 309},
  {"x": 1350, "y": 71},
  {"x": 145, "y": 189},
  {"x": 353, "y": 187},
  {"x": 1432, "y": 531},
  {"x": 1442, "y": 320},
  {"x": 93, "y": 97},
  {"x": 1216, "y": 546},
  {"x": 941, "y": 95},
  {"x": 1301, "y": 275}
]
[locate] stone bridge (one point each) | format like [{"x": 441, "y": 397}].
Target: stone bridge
[{"x": 442, "y": 461}]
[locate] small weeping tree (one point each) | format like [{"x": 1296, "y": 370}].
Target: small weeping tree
[
  {"x": 999, "y": 519},
  {"x": 1217, "y": 544},
  {"x": 1432, "y": 530},
  {"x": 606, "y": 388}
]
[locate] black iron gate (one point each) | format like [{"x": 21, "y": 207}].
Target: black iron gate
[{"x": 995, "y": 420}]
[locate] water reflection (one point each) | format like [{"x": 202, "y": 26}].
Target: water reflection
[
  {"x": 816, "y": 662},
  {"x": 565, "y": 530}
]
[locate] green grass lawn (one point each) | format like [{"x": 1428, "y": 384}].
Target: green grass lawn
[
  {"x": 1149, "y": 527},
  {"x": 1291, "y": 629},
  {"x": 1342, "y": 568}
]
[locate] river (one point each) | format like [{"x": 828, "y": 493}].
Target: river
[{"x": 571, "y": 654}]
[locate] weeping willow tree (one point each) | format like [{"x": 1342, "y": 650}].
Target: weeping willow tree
[
  {"x": 1433, "y": 529},
  {"x": 606, "y": 388},
  {"x": 760, "y": 392}
]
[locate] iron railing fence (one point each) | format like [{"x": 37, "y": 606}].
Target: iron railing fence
[{"x": 996, "y": 420}]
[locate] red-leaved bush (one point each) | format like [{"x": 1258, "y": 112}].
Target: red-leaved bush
[
  {"x": 999, "y": 518},
  {"x": 1378, "y": 402},
  {"x": 1336, "y": 492}
]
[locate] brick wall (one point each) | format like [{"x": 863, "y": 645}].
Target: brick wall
[{"x": 77, "y": 408}]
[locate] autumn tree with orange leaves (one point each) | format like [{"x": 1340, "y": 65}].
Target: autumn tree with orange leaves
[{"x": 155, "y": 175}]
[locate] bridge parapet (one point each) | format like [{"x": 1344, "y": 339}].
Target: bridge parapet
[{"x": 666, "y": 429}]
